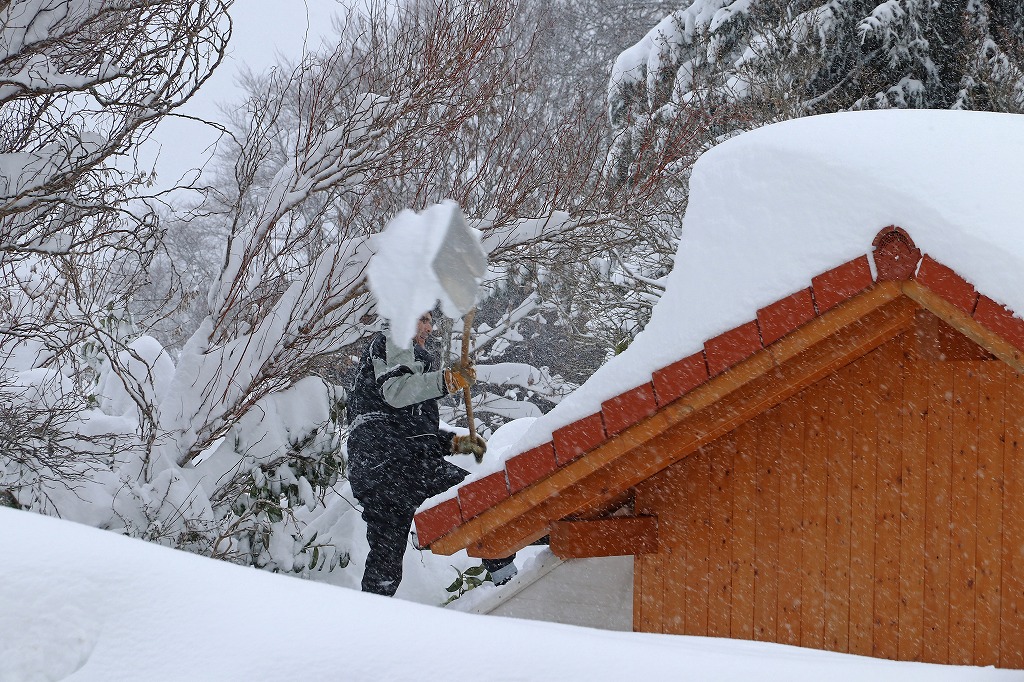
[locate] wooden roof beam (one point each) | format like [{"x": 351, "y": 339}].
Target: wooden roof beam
[
  {"x": 612, "y": 536},
  {"x": 674, "y": 436}
]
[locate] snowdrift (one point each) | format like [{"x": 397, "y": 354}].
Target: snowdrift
[{"x": 85, "y": 604}]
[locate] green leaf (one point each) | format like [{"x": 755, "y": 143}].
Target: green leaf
[
  {"x": 316, "y": 557},
  {"x": 476, "y": 570},
  {"x": 474, "y": 582},
  {"x": 454, "y": 587}
]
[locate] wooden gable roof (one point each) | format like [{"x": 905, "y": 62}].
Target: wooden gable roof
[{"x": 590, "y": 465}]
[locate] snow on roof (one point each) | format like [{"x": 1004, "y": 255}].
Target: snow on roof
[{"x": 772, "y": 208}]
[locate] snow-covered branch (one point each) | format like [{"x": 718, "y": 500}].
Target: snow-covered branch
[
  {"x": 321, "y": 140},
  {"x": 82, "y": 82}
]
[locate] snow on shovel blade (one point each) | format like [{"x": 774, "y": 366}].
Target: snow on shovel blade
[
  {"x": 460, "y": 263},
  {"x": 421, "y": 258}
]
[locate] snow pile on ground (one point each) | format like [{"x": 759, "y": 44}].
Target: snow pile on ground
[
  {"x": 84, "y": 604},
  {"x": 774, "y": 207}
]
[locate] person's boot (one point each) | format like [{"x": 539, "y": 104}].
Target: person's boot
[{"x": 501, "y": 570}]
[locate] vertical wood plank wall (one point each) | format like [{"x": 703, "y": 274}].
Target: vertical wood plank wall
[{"x": 879, "y": 512}]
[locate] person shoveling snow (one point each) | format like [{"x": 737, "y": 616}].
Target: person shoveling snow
[{"x": 396, "y": 446}]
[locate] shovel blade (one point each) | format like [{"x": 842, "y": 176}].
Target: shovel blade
[{"x": 460, "y": 263}]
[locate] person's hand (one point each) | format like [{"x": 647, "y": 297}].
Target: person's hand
[
  {"x": 458, "y": 377},
  {"x": 469, "y": 445}
]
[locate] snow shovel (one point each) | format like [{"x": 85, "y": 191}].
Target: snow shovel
[
  {"x": 467, "y": 327},
  {"x": 459, "y": 264},
  {"x": 455, "y": 257}
]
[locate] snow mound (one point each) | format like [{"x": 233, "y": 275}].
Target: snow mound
[{"x": 84, "y": 604}]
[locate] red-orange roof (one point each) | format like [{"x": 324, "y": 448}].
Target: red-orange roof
[{"x": 895, "y": 258}]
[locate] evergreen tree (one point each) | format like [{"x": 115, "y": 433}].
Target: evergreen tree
[{"x": 718, "y": 67}]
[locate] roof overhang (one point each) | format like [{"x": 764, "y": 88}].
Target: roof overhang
[{"x": 602, "y": 478}]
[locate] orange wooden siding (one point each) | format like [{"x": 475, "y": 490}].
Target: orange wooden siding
[{"x": 878, "y": 512}]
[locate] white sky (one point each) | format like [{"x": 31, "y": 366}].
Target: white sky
[{"x": 262, "y": 30}]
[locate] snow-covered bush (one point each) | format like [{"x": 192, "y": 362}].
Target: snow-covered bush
[
  {"x": 83, "y": 84},
  {"x": 219, "y": 433}
]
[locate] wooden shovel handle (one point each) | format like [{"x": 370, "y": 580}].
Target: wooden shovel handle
[{"x": 467, "y": 327}]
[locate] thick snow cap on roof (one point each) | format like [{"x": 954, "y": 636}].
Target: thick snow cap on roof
[{"x": 774, "y": 207}]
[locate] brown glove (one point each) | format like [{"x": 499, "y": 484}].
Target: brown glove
[
  {"x": 469, "y": 445},
  {"x": 458, "y": 377}
]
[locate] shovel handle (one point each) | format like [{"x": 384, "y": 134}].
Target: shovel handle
[{"x": 467, "y": 327}]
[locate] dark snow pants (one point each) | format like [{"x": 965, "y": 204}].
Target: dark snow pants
[
  {"x": 388, "y": 521},
  {"x": 391, "y": 476}
]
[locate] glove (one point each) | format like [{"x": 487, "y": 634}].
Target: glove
[
  {"x": 469, "y": 445},
  {"x": 458, "y": 377}
]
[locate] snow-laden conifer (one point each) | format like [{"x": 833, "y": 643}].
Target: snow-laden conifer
[{"x": 716, "y": 67}]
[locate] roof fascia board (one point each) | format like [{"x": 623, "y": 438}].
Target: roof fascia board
[
  {"x": 687, "y": 435},
  {"x": 965, "y": 324},
  {"x": 633, "y": 437}
]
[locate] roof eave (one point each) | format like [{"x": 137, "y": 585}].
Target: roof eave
[{"x": 519, "y": 517}]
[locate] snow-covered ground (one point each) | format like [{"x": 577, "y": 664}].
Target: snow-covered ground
[{"x": 84, "y": 604}]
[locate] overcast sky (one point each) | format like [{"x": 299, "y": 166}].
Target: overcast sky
[{"x": 262, "y": 29}]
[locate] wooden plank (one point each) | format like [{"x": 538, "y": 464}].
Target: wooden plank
[
  {"x": 674, "y": 582},
  {"x": 676, "y": 502},
  {"x": 667, "y": 500},
  {"x": 720, "y": 572},
  {"x": 812, "y": 556},
  {"x": 837, "y": 543},
  {"x": 912, "y": 511},
  {"x": 525, "y": 522},
  {"x": 643, "y": 597},
  {"x": 1011, "y": 626},
  {"x": 926, "y": 336},
  {"x": 791, "y": 496},
  {"x": 766, "y": 578},
  {"x": 638, "y": 591},
  {"x": 863, "y": 389},
  {"x": 990, "y": 504},
  {"x": 667, "y": 436},
  {"x": 653, "y": 596},
  {"x": 937, "y": 514},
  {"x": 965, "y": 324},
  {"x": 887, "y": 500},
  {"x": 963, "y": 513},
  {"x": 697, "y": 542},
  {"x": 612, "y": 536},
  {"x": 743, "y": 533}
]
